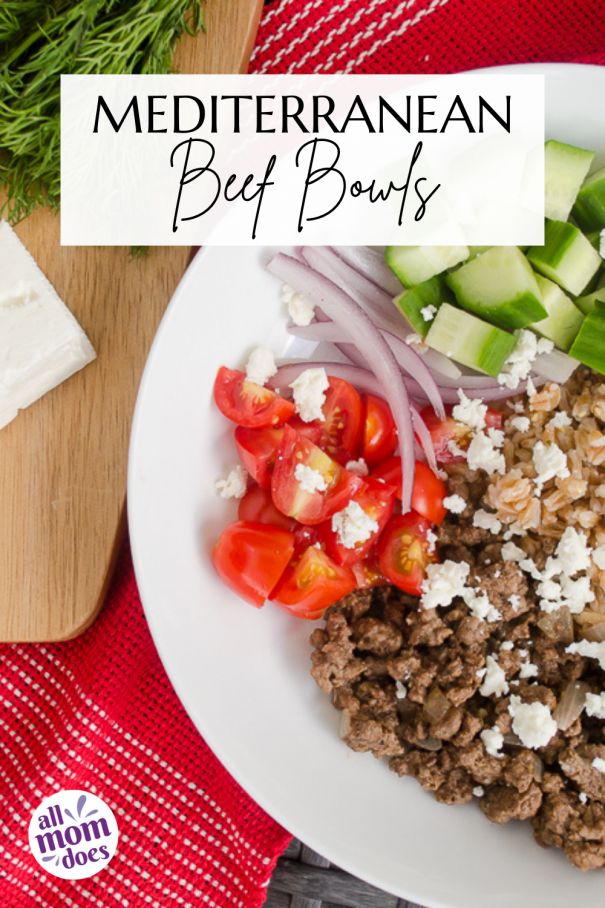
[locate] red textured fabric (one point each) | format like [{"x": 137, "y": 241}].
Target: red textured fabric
[{"x": 98, "y": 713}]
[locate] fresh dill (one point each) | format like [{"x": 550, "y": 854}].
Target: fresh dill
[{"x": 40, "y": 40}]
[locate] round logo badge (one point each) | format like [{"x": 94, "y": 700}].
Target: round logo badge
[{"x": 73, "y": 834}]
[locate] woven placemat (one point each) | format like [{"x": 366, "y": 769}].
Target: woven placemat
[{"x": 303, "y": 879}]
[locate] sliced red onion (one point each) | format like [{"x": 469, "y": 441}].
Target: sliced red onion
[
  {"x": 440, "y": 365},
  {"x": 555, "y": 366},
  {"x": 362, "y": 379},
  {"x": 370, "y": 262},
  {"x": 407, "y": 358},
  {"x": 424, "y": 437},
  {"x": 377, "y": 303},
  {"x": 370, "y": 343}
]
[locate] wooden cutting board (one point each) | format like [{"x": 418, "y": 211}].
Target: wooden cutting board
[{"x": 63, "y": 461}]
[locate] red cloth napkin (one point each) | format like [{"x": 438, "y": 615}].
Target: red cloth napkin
[{"x": 98, "y": 713}]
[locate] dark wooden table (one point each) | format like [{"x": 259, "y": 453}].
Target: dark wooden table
[{"x": 303, "y": 879}]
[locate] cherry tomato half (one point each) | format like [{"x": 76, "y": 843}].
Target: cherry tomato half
[
  {"x": 377, "y": 500},
  {"x": 257, "y": 449},
  {"x": 404, "y": 552},
  {"x": 379, "y": 433},
  {"x": 247, "y": 403},
  {"x": 257, "y": 506},
  {"x": 287, "y": 489},
  {"x": 428, "y": 492},
  {"x": 448, "y": 434},
  {"x": 251, "y": 557},
  {"x": 367, "y": 573},
  {"x": 339, "y": 433},
  {"x": 311, "y": 584}
]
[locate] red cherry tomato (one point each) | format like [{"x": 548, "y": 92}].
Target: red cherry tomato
[
  {"x": 367, "y": 573},
  {"x": 404, "y": 552},
  {"x": 257, "y": 449},
  {"x": 257, "y": 506},
  {"x": 377, "y": 500},
  {"x": 288, "y": 493},
  {"x": 379, "y": 433},
  {"x": 339, "y": 434},
  {"x": 304, "y": 537},
  {"x": 311, "y": 584},
  {"x": 247, "y": 403},
  {"x": 428, "y": 492},
  {"x": 251, "y": 557},
  {"x": 448, "y": 434}
]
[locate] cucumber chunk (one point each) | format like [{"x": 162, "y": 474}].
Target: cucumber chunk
[
  {"x": 565, "y": 169},
  {"x": 587, "y": 303},
  {"x": 474, "y": 251},
  {"x": 563, "y": 320},
  {"x": 589, "y": 210},
  {"x": 419, "y": 304},
  {"x": 589, "y": 345},
  {"x": 499, "y": 286},
  {"x": 469, "y": 340},
  {"x": 416, "y": 264},
  {"x": 567, "y": 257}
]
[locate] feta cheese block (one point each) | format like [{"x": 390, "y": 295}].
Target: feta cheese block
[{"x": 41, "y": 343}]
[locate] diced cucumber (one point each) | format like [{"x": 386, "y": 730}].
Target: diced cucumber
[
  {"x": 587, "y": 303},
  {"x": 474, "y": 251},
  {"x": 589, "y": 210},
  {"x": 416, "y": 264},
  {"x": 565, "y": 169},
  {"x": 499, "y": 286},
  {"x": 419, "y": 304},
  {"x": 469, "y": 340},
  {"x": 567, "y": 258},
  {"x": 563, "y": 320},
  {"x": 589, "y": 345}
]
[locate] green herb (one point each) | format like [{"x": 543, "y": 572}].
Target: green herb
[{"x": 39, "y": 41}]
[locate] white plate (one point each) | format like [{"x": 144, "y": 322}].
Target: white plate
[{"x": 243, "y": 674}]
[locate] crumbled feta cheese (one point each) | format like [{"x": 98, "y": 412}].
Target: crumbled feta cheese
[
  {"x": 428, "y": 313},
  {"x": 309, "y": 394},
  {"x": 528, "y": 670},
  {"x": 309, "y": 480},
  {"x": 493, "y": 739},
  {"x": 401, "y": 690},
  {"x": 599, "y": 763},
  {"x": 480, "y": 606},
  {"x": 549, "y": 461},
  {"x": 559, "y": 421},
  {"x": 414, "y": 340},
  {"x": 478, "y": 791},
  {"x": 496, "y": 436},
  {"x": 300, "y": 309},
  {"x": 520, "y": 423},
  {"x": 470, "y": 412},
  {"x": 515, "y": 601},
  {"x": 598, "y": 557},
  {"x": 482, "y": 454},
  {"x": 529, "y": 566},
  {"x": 443, "y": 582},
  {"x": 595, "y": 705},
  {"x": 507, "y": 646},
  {"x": 486, "y": 521},
  {"x": 573, "y": 552},
  {"x": 590, "y": 649},
  {"x": 454, "y": 503},
  {"x": 495, "y": 679},
  {"x": 602, "y": 243},
  {"x": 234, "y": 484},
  {"x": 512, "y": 552},
  {"x": 518, "y": 365},
  {"x": 577, "y": 594},
  {"x": 532, "y": 722},
  {"x": 583, "y": 797},
  {"x": 432, "y": 540},
  {"x": 359, "y": 467},
  {"x": 260, "y": 366},
  {"x": 353, "y": 525}
]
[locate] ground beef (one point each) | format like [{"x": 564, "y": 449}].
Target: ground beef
[{"x": 407, "y": 682}]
